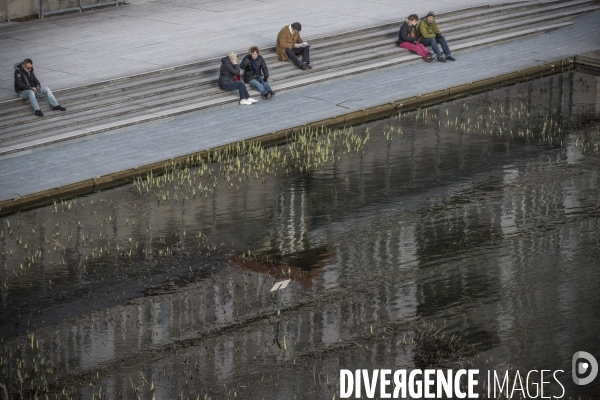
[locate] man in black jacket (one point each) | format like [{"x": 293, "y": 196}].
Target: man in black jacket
[
  {"x": 27, "y": 86},
  {"x": 256, "y": 72}
]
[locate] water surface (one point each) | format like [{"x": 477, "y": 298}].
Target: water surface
[{"x": 481, "y": 217}]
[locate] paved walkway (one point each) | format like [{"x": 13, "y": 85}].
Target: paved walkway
[
  {"x": 147, "y": 35},
  {"x": 75, "y": 161}
]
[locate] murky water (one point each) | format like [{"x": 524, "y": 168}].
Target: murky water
[{"x": 481, "y": 217}]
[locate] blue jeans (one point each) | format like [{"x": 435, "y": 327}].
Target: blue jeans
[
  {"x": 259, "y": 84},
  {"x": 30, "y": 94},
  {"x": 433, "y": 43},
  {"x": 233, "y": 85}
]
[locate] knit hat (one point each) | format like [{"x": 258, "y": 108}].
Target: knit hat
[{"x": 430, "y": 14}]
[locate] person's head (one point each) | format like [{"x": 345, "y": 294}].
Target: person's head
[
  {"x": 296, "y": 26},
  {"x": 254, "y": 52},
  {"x": 27, "y": 64},
  {"x": 430, "y": 17},
  {"x": 232, "y": 57},
  {"x": 413, "y": 19}
]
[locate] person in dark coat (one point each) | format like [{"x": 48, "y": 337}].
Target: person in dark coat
[
  {"x": 408, "y": 38},
  {"x": 29, "y": 88},
  {"x": 256, "y": 72},
  {"x": 227, "y": 78}
]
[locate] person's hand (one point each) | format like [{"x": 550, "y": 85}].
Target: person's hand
[
  {"x": 438, "y": 35},
  {"x": 33, "y": 88},
  {"x": 297, "y": 45}
]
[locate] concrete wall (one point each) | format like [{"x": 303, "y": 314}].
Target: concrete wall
[
  {"x": 11, "y": 9},
  {"x": 18, "y": 8},
  {"x": 55, "y": 5}
]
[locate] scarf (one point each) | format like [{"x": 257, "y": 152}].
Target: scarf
[{"x": 254, "y": 65}]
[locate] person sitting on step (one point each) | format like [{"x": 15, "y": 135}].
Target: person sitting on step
[
  {"x": 229, "y": 78},
  {"x": 408, "y": 38},
  {"x": 256, "y": 72},
  {"x": 431, "y": 36},
  {"x": 290, "y": 45},
  {"x": 28, "y": 87}
]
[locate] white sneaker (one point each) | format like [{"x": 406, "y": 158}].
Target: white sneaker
[
  {"x": 245, "y": 102},
  {"x": 251, "y": 100}
]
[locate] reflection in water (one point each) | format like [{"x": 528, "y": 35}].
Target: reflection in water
[{"x": 493, "y": 235}]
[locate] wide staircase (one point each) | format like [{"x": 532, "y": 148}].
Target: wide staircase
[{"x": 131, "y": 100}]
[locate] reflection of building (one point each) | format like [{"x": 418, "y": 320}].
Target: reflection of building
[
  {"x": 290, "y": 222},
  {"x": 597, "y": 99},
  {"x": 584, "y": 90}
]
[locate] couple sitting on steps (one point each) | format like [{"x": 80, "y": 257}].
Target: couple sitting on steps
[
  {"x": 289, "y": 46},
  {"x": 414, "y": 35}
]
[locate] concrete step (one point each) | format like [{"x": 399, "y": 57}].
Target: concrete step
[
  {"x": 133, "y": 115},
  {"x": 168, "y": 87},
  {"x": 205, "y": 72},
  {"x": 395, "y": 60},
  {"x": 66, "y": 134},
  {"x": 160, "y": 101},
  {"x": 212, "y": 64},
  {"x": 153, "y": 87},
  {"x": 123, "y": 102},
  {"x": 29, "y": 125}
]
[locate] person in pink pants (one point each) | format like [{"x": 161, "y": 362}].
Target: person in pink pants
[{"x": 408, "y": 38}]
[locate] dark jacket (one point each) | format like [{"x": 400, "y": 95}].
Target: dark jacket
[
  {"x": 408, "y": 33},
  {"x": 227, "y": 72},
  {"x": 249, "y": 72},
  {"x": 24, "y": 80}
]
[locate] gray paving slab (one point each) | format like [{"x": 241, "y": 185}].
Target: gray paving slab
[
  {"x": 77, "y": 160},
  {"x": 180, "y": 31},
  {"x": 591, "y": 56}
]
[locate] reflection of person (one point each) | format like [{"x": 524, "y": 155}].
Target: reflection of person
[
  {"x": 408, "y": 38},
  {"x": 290, "y": 45},
  {"x": 28, "y": 87},
  {"x": 256, "y": 72},
  {"x": 431, "y": 36},
  {"x": 227, "y": 74}
]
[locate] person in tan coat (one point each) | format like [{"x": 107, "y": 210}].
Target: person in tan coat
[{"x": 290, "y": 45}]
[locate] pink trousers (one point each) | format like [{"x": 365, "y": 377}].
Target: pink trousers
[{"x": 417, "y": 48}]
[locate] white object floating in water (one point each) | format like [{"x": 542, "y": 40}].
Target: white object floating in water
[{"x": 280, "y": 285}]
